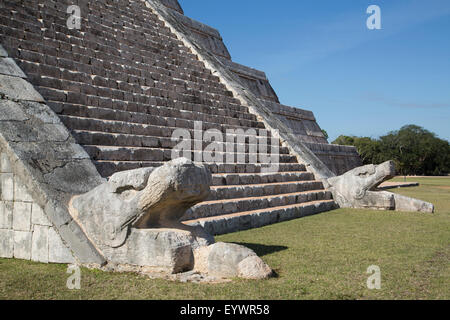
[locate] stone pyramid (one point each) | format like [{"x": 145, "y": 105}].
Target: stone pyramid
[{"x": 78, "y": 105}]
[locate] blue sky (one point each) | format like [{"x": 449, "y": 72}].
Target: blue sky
[{"x": 319, "y": 55}]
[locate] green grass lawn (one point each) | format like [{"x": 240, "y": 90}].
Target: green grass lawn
[{"x": 320, "y": 257}]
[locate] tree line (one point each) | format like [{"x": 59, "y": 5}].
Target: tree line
[{"x": 415, "y": 150}]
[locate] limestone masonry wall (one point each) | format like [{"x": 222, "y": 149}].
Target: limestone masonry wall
[
  {"x": 41, "y": 168},
  {"x": 338, "y": 158},
  {"x": 25, "y": 232}
]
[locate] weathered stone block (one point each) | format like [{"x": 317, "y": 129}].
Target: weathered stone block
[
  {"x": 9, "y": 67},
  {"x": 21, "y": 192},
  {"x": 228, "y": 260},
  {"x": 38, "y": 216},
  {"x": 56, "y": 214},
  {"x": 22, "y": 216},
  {"x": 10, "y": 110},
  {"x": 165, "y": 250},
  {"x": 40, "y": 111},
  {"x": 22, "y": 244},
  {"x": 74, "y": 177},
  {"x": 224, "y": 258},
  {"x": 40, "y": 244},
  {"x": 7, "y": 186},
  {"x": 5, "y": 165},
  {"x": 6, "y": 243},
  {"x": 18, "y": 89},
  {"x": 403, "y": 203},
  {"x": 3, "y": 52},
  {"x": 85, "y": 252},
  {"x": 6, "y": 214},
  {"x": 57, "y": 250},
  {"x": 253, "y": 267}
]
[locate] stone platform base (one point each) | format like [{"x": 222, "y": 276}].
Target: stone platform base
[
  {"x": 394, "y": 185},
  {"x": 182, "y": 255},
  {"x": 159, "y": 250}
]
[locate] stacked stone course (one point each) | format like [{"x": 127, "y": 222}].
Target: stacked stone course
[{"x": 25, "y": 232}]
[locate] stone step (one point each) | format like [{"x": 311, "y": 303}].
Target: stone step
[
  {"x": 107, "y": 168},
  {"x": 160, "y": 154},
  {"x": 153, "y": 35},
  {"x": 223, "y": 179},
  {"x": 112, "y": 88},
  {"x": 110, "y": 126},
  {"x": 150, "y": 61},
  {"x": 259, "y": 218},
  {"x": 260, "y": 190},
  {"x": 223, "y": 207},
  {"x": 167, "y": 58},
  {"x": 158, "y": 88},
  {"x": 121, "y": 110},
  {"x": 132, "y": 140}
]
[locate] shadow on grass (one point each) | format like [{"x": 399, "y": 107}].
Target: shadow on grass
[{"x": 262, "y": 250}]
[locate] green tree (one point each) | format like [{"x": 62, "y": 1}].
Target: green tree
[
  {"x": 414, "y": 149},
  {"x": 345, "y": 140},
  {"x": 325, "y": 134}
]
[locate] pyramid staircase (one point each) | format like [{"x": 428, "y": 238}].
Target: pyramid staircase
[{"x": 124, "y": 83}]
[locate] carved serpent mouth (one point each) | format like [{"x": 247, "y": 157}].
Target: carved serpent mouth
[
  {"x": 163, "y": 216},
  {"x": 373, "y": 176},
  {"x": 141, "y": 199},
  {"x": 165, "y": 207},
  {"x": 383, "y": 172}
]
